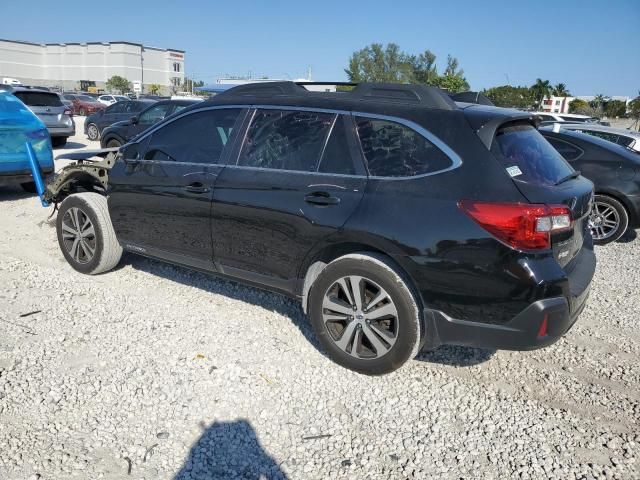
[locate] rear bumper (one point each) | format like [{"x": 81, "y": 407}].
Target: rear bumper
[
  {"x": 525, "y": 331},
  {"x": 62, "y": 131},
  {"x": 21, "y": 177}
]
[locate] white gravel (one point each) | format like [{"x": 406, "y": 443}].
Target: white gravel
[{"x": 168, "y": 373}]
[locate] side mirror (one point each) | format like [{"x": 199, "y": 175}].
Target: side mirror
[{"x": 134, "y": 120}]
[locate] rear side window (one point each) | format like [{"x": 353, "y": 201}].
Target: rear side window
[
  {"x": 196, "y": 138},
  {"x": 285, "y": 140},
  {"x": 116, "y": 108},
  {"x": 39, "y": 99},
  {"x": 568, "y": 151},
  {"x": 336, "y": 157},
  {"x": 394, "y": 150},
  {"x": 528, "y": 157}
]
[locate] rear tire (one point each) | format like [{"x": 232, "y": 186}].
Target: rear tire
[
  {"x": 608, "y": 221},
  {"x": 382, "y": 327},
  {"x": 85, "y": 234},
  {"x": 114, "y": 143},
  {"x": 29, "y": 187},
  {"x": 82, "y": 112},
  {"x": 93, "y": 133},
  {"x": 58, "y": 141}
]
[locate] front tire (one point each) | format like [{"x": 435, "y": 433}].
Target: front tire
[
  {"x": 114, "y": 143},
  {"x": 365, "y": 314},
  {"x": 93, "y": 133},
  {"x": 608, "y": 220},
  {"x": 85, "y": 234},
  {"x": 82, "y": 112}
]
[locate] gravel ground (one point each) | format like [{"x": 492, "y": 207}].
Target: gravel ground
[{"x": 156, "y": 372}]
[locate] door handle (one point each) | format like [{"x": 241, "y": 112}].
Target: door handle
[
  {"x": 321, "y": 198},
  {"x": 196, "y": 187}
]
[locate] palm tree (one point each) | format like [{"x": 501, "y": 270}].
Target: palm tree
[
  {"x": 560, "y": 90},
  {"x": 541, "y": 89}
]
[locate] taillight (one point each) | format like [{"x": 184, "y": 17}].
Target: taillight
[{"x": 522, "y": 226}]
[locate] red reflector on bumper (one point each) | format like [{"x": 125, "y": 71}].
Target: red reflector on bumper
[{"x": 543, "y": 327}]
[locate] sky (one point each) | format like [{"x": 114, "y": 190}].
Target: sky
[{"x": 591, "y": 45}]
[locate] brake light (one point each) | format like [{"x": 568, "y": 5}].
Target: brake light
[{"x": 522, "y": 226}]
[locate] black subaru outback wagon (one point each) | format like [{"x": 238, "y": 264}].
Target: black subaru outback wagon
[{"x": 398, "y": 217}]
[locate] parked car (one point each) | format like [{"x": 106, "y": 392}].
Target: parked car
[
  {"x": 398, "y": 217},
  {"x": 49, "y": 108},
  {"x": 615, "y": 172},
  {"x": 18, "y": 125},
  {"x": 111, "y": 99},
  {"x": 83, "y": 104},
  {"x": 121, "y": 132},
  {"x": 565, "y": 117},
  {"x": 95, "y": 123},
  {"x": 626, "y": 138}
]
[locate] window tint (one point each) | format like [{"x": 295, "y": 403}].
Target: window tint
[
  {"x": 134, "y": 107},
  {"x": 528, "y": 157},
  {"x": 394, "y": 150},
  {"x": 199, "y": 137},
  {"x": 39, "y": 99},
  {"x": 154, "y": 114},
  {"x": 568, "y": 151},
  {"x": 115, "y": 108},
  {"x": 337, "y": 155},
  {"x": 285, "y": 140},
  {"x": 625, "y": 141},
  {"x": 610, "y": 137}
]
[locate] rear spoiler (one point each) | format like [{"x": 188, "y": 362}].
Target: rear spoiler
[
  {"x": 87, "y": 154},
  {"x": 486, "y": 121}
]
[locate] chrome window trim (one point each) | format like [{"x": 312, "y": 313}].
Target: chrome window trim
[{"x": 456, "y": 161}]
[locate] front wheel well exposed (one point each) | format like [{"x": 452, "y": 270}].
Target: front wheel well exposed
[{"x": 78, "y": 183}]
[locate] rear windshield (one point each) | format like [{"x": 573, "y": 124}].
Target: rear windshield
[
  {"x": 528, "y": 157},
  {"x": 39, "y": 99}
]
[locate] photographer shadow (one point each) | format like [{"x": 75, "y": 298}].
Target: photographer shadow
[{"x": 229, "y": 450}]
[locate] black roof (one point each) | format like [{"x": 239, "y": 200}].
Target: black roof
[{"x": 363, "y": 94}]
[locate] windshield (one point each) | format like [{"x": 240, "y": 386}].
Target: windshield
[{"x": 528, "y": 157}]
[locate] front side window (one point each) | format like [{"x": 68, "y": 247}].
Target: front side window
[
  {"x": 395, "y": 150},
  {"x": 285, "y": 140},
  {"x": 199, "y": 137},
  {"x": 528, "y": 157},
  {"x": 154, "y": 114}
]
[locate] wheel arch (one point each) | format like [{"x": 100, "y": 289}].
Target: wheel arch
[{"x": 634, "y": 217}]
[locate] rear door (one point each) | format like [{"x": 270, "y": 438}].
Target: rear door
[
  {"x": 46, "y": 105},
  {"x": 161, "y": 187},
  {"x": 543, "y": 176},
  {"x": 112, "y": 114},
  {"x": 294, "y": 183}
]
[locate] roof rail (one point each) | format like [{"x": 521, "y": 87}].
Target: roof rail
[{"x": 421, "y": 95}]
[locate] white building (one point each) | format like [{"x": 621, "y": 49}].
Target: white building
[{"x": 66, "y": 65}]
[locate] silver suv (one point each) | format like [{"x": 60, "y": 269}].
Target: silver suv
[{"x": 49, "y": 108}]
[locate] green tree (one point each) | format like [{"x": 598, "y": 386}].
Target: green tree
[
  {"x": 511, "y": 97},
  {"x": 541, "y": 89},
  {"x": 118, "y": 84},
  {"x": 579, "y": 106},
  {"x": 634, "y": 111},
  {"x": 377, "y": 63},
  {"x": 615, "y": 108},
  {"x": 380, "y": 63},
  {"x": 154, "y": 89},
  {"x": 560, "y": 90}
]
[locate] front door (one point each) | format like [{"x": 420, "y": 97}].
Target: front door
[
  {"x": 162, "y": 186},
  {"x": 295, "y": 182}
]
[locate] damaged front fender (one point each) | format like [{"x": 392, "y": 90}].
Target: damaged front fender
[{"x": 86, "y": 173}]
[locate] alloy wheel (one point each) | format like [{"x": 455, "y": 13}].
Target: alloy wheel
[
  {"x": 360, "y": 317},
  {"x": 604, "y": 221},
  {"x": 78, "y": 235},
  {"x": 92, "y": 132}
]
